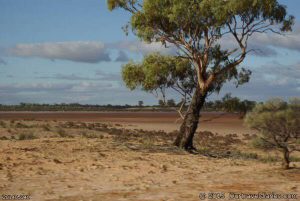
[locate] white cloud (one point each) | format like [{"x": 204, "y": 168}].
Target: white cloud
[
  {"x": 90, "y": 87},
  {"x": 280, "y": 74},
  {"x": 33, "y": 87},
  {"x": 70, "y": 77},
  {"x": 78, "y": 51},
  {"x": 142, "y": 47},
  {"x": 122, "y": 57},
  {"x": 94, "y": 52},
  {"x": 2, "y": 62},
  {"x": 289, "y": 41},
  {"x": 54, "y": 87},
  {"x": 108, "y": 76},
  {"x": 270, "y": 80},
  {"x": 266, "y": 44},
  {"x": 81, "y": 92}
]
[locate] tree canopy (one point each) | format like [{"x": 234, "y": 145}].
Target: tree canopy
[
  {"x": 196, "y": 28},
  {"x": 157, "y": 72},
  {"x": 211, "y": 38}
]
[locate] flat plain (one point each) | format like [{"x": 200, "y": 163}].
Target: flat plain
[{"x": 129, "y": 156}]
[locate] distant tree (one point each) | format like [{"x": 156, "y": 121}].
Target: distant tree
[
  {"x": 278, "y": 123},
  {"x": 141, "y": 103},
  {"x": 161, "y": 103},
  {"x": 171, "y": 103},
  {"x": 209, "y": 105},
  {"x": 234, "y": 104},
  {"x": 218, "y": 105},
  {"x": 246, "y": 106},
  {"x": 198, "y": 29},
  {"x": 231, "y": 104}
]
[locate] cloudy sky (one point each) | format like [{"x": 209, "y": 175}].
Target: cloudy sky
[{"x": 55, "y": 51}]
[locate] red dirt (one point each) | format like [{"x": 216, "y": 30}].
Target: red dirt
[{"x": 106, "y": 116}]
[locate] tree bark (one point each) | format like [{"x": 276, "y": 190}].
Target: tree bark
[
  {"x": 286, "y": 157},
  {"x": 190, "y": 122}
]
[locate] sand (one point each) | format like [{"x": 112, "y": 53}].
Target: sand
[
  {"x": 223, "y": 123},
  {"x": 135, "y": 169}
]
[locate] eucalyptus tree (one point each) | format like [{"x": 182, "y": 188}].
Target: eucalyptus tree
[
  {"x": 157, "y": 73},
  {"x": 212, "y": 34}
]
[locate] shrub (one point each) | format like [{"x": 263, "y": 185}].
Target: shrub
[
  {"x": 269, "y": 159},
  {"x": 26, "y": 136},
  {"x": 21, "y": 125},
  {"x": 3, "y": 124},
  {"x": 3, "y": 138},
  {"x": 91, "y": 135},
  {"x": 278, "y": 122},
  {"x": 243, "y": 155},
  {"x": 260, "y": 143},
  {"x": 62, "y": 133},
  {"x": 46, "y": 127}
]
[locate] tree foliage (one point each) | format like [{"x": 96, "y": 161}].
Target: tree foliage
[
  {"x": 211, "y": 38},
  {"x": 279, "y": 124},
  {"x": 196, "y": 28},
  {"x": 157, "y": 72},
  {"x": 230, "y": 104},
  {"x": 140, "y": 103},
  {"x": 234, "y": 104}
]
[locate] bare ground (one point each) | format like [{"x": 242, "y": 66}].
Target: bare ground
[{"x": 102, "y": 162}]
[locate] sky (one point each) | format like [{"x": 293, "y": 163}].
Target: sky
[{"x": 72, "y": 51}]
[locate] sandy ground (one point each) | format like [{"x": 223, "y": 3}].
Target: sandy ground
[
  {"x": 222, "y": 123},
  {"x": 108, "y": 167}
]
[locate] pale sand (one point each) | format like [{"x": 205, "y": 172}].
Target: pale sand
[{"x": 73, "y": 169}]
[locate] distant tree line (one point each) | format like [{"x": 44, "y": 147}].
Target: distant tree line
[
  {"x": 230, "y": 104},
  {"x": 226, "y": 104},
  {"x": 61, "y": 107}
]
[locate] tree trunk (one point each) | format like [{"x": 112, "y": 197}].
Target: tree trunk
[
  {"x": 286, "y": 157},
  {"x": 189, "y": 125}
]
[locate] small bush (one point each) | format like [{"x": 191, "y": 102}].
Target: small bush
[
  {"x": 3, "y": 124},
  {"x": 243, "y": 155},
  {"x": 21, "y": 125},
  {"x": 260, "y": 143},
  {"x": 3, "y": 138},
  {"x": 147, "y": 142},
  {"x": 46, "y": 127},
  {"x": 91, "y": 135},
  {"x": 62, "y": 133},
  {"x": 279, "y": 124},
  {"x": 26, "y": 136},
  {"x": 270, "y": 159},
  {"x": 295, "y": 159}
]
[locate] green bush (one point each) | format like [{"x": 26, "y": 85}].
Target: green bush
[
  {"x": 279, "y": 124},
  {"x": 46, "y": 127},
  {"x": 243, "y": 155},
  {"x": 62, "y": 133},
  {"x": 3, "y": 124},
  {"x": 3, "y": 138},
  {"x": 260, "y": 143},
  {"x": 270, "y": 159},
  {"x": 91, "y": 135},
  {"x": 26, "y": 136}
]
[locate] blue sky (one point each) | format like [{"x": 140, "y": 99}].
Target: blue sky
[{"x": 54, "y": 51}]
